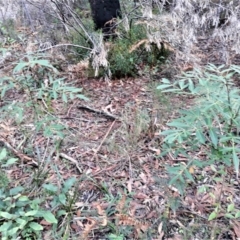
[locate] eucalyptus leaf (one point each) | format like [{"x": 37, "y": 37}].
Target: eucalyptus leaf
[
  {"x": 165, "y": 80},
  {"x": 163, "y": 86},
  {"x": 213, "y": 136},
  {"x": 3, "y": 154},
  {"x": 230, "y": 207}
]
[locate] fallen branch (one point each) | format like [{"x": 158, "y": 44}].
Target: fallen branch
[
  {"x": 104, "y": 138},
  {"x": 100, "y": 112},
  {"x": 20, "y": 155},
  {"x": 63, "y": 155}
]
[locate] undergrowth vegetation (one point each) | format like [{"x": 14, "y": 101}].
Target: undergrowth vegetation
[
  {"x": 210, "y": 127},
  {"x": 129, "y": 54},
  {"x": 19, "y": 213},
  {"x": 37, "y": 79},
  {"x": 82, "y": 158}
]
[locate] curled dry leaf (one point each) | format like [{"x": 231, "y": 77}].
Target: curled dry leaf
[
  {"x": 101, "y": 211},
  {"x": 126, "y": 220},
  {"x": 104, "y": 222},
  {"x": 88, "y": 227},
  {"x": 121, "y": 204}
]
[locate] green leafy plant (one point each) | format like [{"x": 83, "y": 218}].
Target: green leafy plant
[
  {"x": 115, "y": 237},
  {"x": 63, "y": 198},
  {"x": 229, "y": 209},
  {"x": 19, "y": 215},
  {"x": 5, "y": 162},
  {"x": 212, "y": 124},
  {"x": 39, "y": 79},
  {"x": 232, "y": 212},
  {"x": 62, "y": 201},
  {"x": 39, "y": 75}
]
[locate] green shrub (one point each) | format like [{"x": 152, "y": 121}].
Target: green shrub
[
  {"x": 39, "y": 80},
  {"x": 39, "y": 75},
  {"x": 128, "y": 53},
  {"x": 211, "y": 125}
]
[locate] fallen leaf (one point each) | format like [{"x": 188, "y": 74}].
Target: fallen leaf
[
  {"x": 45, "y": 223},
  {"x": 129, "y": 185},
  {"x": 143, "y": 177},
  {"x": 161, "y": 233},
  {"x": 79, "y": 204},
  {"x": 236, "y": 228},
  {"x": 140, "y": 195},
  {"x": 191, "y": 169}
]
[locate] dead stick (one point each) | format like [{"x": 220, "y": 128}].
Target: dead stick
[
  {"x": 107, "y": 114},
  {"x": 104, "y": 138},
  {"x": 63, "y": 155},
  {"x": 22, "y": 156}
]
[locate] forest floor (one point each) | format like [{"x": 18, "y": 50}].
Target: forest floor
[{"x": 112, "y": 145}]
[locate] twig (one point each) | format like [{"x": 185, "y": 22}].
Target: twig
[
  {"x": 104, "y": 170},
  {"x": 69, "y": 110},
  {"x": 62, "y": 45},
  {"x": 63, "y": 155},
  {"x": 100, "y": 112},
  {"x": 22, "y": 156},
  {"x": 104, "y": 138}
]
